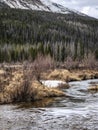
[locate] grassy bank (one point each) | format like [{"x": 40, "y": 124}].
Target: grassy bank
[
  {"x": 21, "y": 82},
  {"x": 73, "y": 75},
  {"x": 19, "y": 86}
]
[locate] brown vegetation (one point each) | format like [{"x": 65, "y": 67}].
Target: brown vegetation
[
  {"x": 90, "y": 61},
  {"x": 40, "y": 64},
  {"x": 63, "y": 86},
  {"x": 87, "y": 62},
  {"x": 73, "y": 75},
  {"x": 19, "y": 89},
  {"x": 71, "y": 64},
  {"x": 22, "y": 84},
  {"x": 93, "y": 87}
]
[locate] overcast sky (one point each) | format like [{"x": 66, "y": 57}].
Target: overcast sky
[{"x": 89, "y": 7}]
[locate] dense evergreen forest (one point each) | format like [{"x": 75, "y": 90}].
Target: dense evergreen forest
[{"x": 24, "y": 34}]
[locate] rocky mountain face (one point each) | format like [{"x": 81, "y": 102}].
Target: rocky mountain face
[{"x": 42, "y": 5}]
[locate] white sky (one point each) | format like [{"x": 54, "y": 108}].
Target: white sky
[{"x": 89, "y": 7}]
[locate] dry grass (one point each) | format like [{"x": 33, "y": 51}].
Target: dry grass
[
  {"x": 57, "y": 74},
  {"x": 41, "y": 91},
  {"x": 18, "y": 85},
  {"x": 65, "y": 75},
  {"x": 93, "y": 88},
  {"x": 63, "y": 86}
]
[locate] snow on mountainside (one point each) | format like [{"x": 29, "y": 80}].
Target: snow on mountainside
[{"x": 43, "y": 5}]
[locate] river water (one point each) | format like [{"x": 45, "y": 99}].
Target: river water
[{"x": 78, "y": 111}]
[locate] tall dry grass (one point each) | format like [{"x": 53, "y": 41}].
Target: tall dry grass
[{"x": 24, "y": 83}]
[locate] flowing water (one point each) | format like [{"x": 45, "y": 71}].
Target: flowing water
[{"x": 78, "y": 111}]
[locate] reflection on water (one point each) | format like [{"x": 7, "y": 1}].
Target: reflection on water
[
  {"x": 78, "y": 111},
  {"x": 93, "y": 91},
  {"x": 47, "y": 102}
]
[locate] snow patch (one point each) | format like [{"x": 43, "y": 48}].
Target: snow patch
[
  {"x": 47, "y": 5},
  {"x": 52, "y": 83}
]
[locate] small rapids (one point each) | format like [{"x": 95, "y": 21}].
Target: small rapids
[{"x": 78, "y": 111}]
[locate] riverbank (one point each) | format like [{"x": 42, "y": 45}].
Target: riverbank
[
  {"x": 15, "y": 88},
  {"x": 68, "y": 76},
  {"x": 76, "y": 112}
]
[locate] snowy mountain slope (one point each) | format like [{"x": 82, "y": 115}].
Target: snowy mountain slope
[{"x": 43, "y": 5}]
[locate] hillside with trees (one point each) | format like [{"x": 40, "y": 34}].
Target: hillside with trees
[{"x": 24, "y": 34}]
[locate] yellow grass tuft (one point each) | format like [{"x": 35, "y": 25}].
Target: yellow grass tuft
[
  {"x": 93, "y": 88},
  {"x": 65, "y": 75},
  {"x": 15, "y": 89}
]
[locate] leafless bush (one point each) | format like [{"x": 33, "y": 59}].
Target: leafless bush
[
  {"x": 32, "y": 71},
  {"x": 42, "y": 64},
  {"x": 71, "y": 64},
  {"x": 89, "y": 61},
  {"x": 27, "y": 82}
]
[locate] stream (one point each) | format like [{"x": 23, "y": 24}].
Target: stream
[{"x": 78, "y": 111}]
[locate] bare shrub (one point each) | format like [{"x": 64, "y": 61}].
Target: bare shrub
[
  {"x": 42, "y": 64},
  {"x": 31, "y": 72},
  {"x": 71, "y": 64},
  {"x": 27, "y": 82},
  {"x": 89, "y": 61}
]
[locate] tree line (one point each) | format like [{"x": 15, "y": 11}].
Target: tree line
[{"x": 24, "y": 34}]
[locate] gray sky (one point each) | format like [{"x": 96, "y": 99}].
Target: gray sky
[{"x": 89, "y": 7}]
